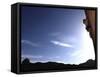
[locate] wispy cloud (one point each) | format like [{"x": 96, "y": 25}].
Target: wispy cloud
[
  {"x": 76, "y": 53},
  {"x": 32, "y": 56},
  {"x": 30, "y": 43},
  {"x": 55, "y": 57},
  {"x": 61, "y": 44}
]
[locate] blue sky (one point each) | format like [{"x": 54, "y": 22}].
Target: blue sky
[{"x": 54, "y": 34}]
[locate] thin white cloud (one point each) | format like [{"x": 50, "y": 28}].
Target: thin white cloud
[
  {"x": 61, "y": 44},
  {"x": 32, "y": 56},
  {"x": 55, "y": 57},
  {"x": 30, "y": 43},
  {"x": 76, "y": 53}
]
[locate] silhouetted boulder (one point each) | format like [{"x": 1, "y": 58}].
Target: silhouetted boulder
[{"x": 26, "y": 61}]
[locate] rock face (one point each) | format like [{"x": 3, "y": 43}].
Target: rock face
[{"x": 90, "y": 23}]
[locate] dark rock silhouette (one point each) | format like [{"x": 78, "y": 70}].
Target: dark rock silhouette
[
  {"x": 89, "y": 63},
  {"x": 26, "y": 61},
  {"x": 26, "y": 66}
]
